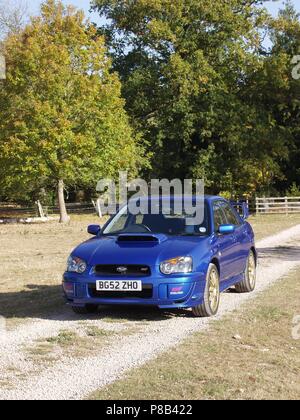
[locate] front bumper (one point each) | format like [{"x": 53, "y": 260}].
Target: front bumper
[{"x": 165, "y": 293}]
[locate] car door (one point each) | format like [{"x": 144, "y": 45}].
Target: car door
[
  {"x": 240, "y": 255},
  {"x": 225, "y": 246}
]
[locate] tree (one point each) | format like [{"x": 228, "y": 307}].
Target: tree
[
  {"x": 12, "y": 16},
  {"x": 187, "y": 68},
  {"x": 282, "y": 90},
  {"x": 62, "y": 118}
]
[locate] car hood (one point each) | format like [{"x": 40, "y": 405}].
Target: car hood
[{"x": 108, "y": 250}]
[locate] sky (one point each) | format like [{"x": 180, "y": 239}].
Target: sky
[
  {"x": 33, "y": 5},
  {"x": 275, "y": 5}
]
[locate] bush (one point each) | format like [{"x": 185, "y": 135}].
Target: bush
[{"x": 294, "y": 191}]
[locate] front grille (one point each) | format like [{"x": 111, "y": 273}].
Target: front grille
[
  {"x": 123, "y": 270},
  {"x": 146, "y": 293}
]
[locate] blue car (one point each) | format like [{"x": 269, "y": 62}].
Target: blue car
[{"x": 159, "y": 260}]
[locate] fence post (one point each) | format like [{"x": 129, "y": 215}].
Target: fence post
[
  {"x": 257, "y": 207},
  {"x": 98, "y": 203},
  {"x": 286, "y": 206},
  {"x": 97, "y": 206},
  {"x": 40, "y": 209}
]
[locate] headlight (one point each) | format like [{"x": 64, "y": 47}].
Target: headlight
[
  {"x": 76, "y": 265},
  {"x": 177, "y": 265}
]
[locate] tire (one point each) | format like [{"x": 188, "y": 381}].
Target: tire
[
  {"x": 211, "y": 303},
  {"x": 249, "y": 283},
  {"x": 87, "y": 309}
]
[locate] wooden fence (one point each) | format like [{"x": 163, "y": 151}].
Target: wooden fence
[
  {"x": 278, "y": 205},
  {"x": 272, "y": 205},
  {"x": 10, "y": 213}
]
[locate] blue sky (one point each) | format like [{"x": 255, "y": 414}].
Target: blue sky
[
  {"x": 34, "y": 5},
  {"x": 275, "y": 5}
]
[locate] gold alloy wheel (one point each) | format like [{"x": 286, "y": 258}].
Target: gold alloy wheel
[
  {"x": 252, "y": 270},
  {"x": 213, "y": 290}
]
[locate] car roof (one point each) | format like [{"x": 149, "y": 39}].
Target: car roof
[
  {"x": 208, "y": 198},
  {"x": 214, "y": 198}
]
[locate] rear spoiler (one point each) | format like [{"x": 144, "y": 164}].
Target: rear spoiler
[{"x": 242, "y": 208}]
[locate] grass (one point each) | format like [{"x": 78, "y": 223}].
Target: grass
[
  {"x": 33, "y": 259},
  {"x": 97, "y": 332},
  {"x": 250, "y": 355},
  {"x": 41, "y": 353},
  {"x": 71, "y": 344},
  {"x": 68, "y": 343},
  {"x": 63, "y": 339},
  {"x": 267, "y": 225}
]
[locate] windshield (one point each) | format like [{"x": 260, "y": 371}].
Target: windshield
[{"x": 168, "y": 224}]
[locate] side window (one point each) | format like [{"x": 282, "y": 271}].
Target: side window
[
  {"x": 139, "y": 219},
  {"x": 231, "y": 217},
  {"x": 219, "y": 218},
  {"x": 120, "y": 223}
]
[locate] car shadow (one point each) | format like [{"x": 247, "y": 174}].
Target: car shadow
[
  {"x": 46, "y": 302},
  {"x": 283, "y": 253},
  {"x": 141, "y": 313}
]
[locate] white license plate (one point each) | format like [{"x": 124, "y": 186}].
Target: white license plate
[{"x": 119, "y": 285}]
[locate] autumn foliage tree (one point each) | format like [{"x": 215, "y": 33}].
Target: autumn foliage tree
[{"x": 62, "y": 118}]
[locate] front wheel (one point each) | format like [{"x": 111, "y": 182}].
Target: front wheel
[
  {"x": 87, "y": 309},
  {"x": 211, "y": 303},
  {"x": 249, "y": 283}
]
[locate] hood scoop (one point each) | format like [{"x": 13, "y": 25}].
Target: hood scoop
[{"x": 145, "y": 238}]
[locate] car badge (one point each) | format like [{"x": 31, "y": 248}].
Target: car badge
[{"x": 122, "y": 270}]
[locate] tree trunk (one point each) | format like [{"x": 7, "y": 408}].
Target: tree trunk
[{"x": 64, "y": 218}]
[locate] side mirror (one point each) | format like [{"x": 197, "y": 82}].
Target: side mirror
[
  {"x": 226, "y": 229},
  {"x": 94, "y": 230}
]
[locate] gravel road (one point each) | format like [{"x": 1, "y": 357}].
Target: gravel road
[{"x": 74, "y": 378}]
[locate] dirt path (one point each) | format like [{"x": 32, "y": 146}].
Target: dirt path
[{"x": 75, "y": 378}]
